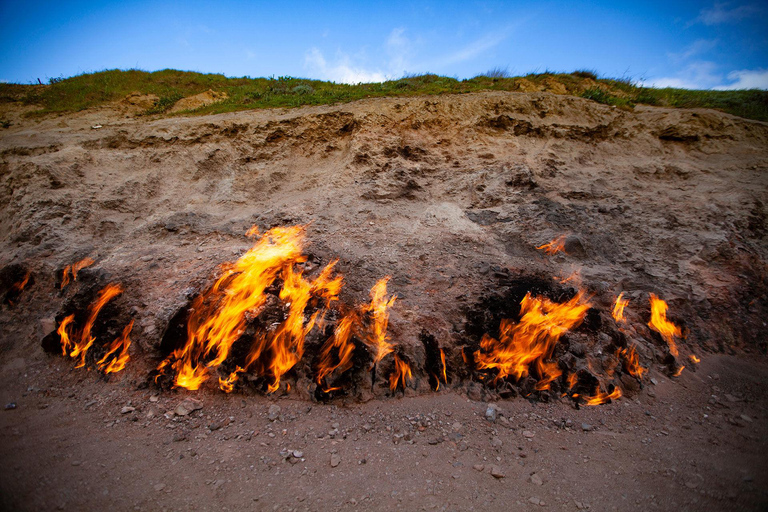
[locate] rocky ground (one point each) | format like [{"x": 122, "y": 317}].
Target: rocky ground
[{"x": 448, "y": 195}]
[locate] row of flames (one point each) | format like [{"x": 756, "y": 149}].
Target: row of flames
[{"x": 219, "y": 318}]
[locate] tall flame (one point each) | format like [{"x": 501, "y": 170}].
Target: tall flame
[
  {"x": 400, "y": 375},
  {"x": 119, "y": 359},
  {"x": 632, "y": 362},
  {"x": 442, "y": 362},
  {"x": 377, "y": 339},
  {"x": 532, "y": 340},
  {"x": 618, "y": 308},
  {"x": 555, "y": 246},
  {"x": 64, "y": 334},
  {"x": 85, "y": 340},
  {"x": 660, "y": 324},
  {"x": 336, "y": 353},
  {"x": 74, "y": 269}
]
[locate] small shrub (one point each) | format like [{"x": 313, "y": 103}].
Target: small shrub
[
  {"x": 585, "y": 73},
  {"x": 497, "y": 73},
  {"x": 164, "y": 104},
  {"x": 5, "y": 123},
  {"x": 302, "y": 89}
]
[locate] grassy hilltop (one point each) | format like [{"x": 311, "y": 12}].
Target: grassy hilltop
[{"x": 93, "y": 89}]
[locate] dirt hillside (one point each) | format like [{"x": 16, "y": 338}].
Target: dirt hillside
[{"x": 448, "y": 195}]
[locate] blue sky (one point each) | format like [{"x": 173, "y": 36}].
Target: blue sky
[{"x": 680, "y": 44}]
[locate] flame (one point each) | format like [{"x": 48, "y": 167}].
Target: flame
[
  {"x": 555, "y": 246},
  {"x": 341, "y": 344},
  {"x": 252, "y": 232},
  {"x": 120, "y": 359},
  {"x": 64, "y": 334},
  {"x": 600, "y": 398},
  {"x": 678, "y": 371},
  {"x": 694, "y": 359},
  {"x": 632, "y": 362},
  {"x": 618, "y": 308},
  {"x": 18, "y": 287},
  {"x": 228, "y": 384},
  {"x": 85, "y": 340},
  {"x": 74, "y": 269},
  {"x": 660, "y": 324},
  {"x": 533, "y": 339},
  {"x": 445, "y": 376},
  {"x": 572, "y": 380},
  {"x": 378, "y": 308},
  {"x": 401, "y": 374}
]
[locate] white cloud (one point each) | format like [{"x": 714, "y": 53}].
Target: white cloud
[
  {"x": 746, "y": 79},
  {"x": 696, "y": 48},
  {"x": 724, "y": 13},
  {"x": 476, "y": 48},
  {"x": 341, "y": 70},
  {"x": 697, "y": 75},
  {"x": 398, "y": 49}
]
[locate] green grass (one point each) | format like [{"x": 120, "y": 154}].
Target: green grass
[{"x": 93, "y": 89}]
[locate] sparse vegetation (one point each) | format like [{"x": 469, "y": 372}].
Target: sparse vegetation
[{"x": 92, "y": 89}]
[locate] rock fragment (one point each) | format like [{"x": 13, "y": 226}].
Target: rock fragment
[{"x": 188, "y": 406}]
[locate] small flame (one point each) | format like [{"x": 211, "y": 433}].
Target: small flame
[
  {"x": 74, "y": 269},
  {"x": 64, "y": 333},
  {"x": 572, "y": 380},
  {"x": 678, "y": 371},
  {"x": 632, "y": 362},
  {"x": 18, "y": 287},
  {"x": 694, "y": 359},
  {"x": 533, "y": 339},
  {"x": 442, "y": 362},
  {"x": 252, "y": 232},
  {"x": 120, "y": 359},
  {"x": 228, "y": 384},
  {"x": 400, "y": 375},
  {"x": 600, "y": 398},
  {"x": 555, "y": 246},
  {"x": 618, "y": 308},
  {"x": 660, "y": 324},
  {"x": 85, "y": 340}
]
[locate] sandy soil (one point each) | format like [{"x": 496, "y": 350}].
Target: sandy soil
[{"x": 448, "y": 195}]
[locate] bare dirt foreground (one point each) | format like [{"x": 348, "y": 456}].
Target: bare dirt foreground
[{"x": 450, "y": 196}]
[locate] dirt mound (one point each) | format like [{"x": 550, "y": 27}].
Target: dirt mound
[{"x": 203, "y": 99}]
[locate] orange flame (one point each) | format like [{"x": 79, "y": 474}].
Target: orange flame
[
  {"x": 632, "y": 362},
  {"x": 74, "y": 269},
  {"x": 600, "y": 398},
  {"x": 23, "y": 283},
  {"x": 694, "y": 359},
  {"x": 400, "y": 375},
  {"x": 85, "y": 340},
  {"x": 618, "y": 308},
  {"x": 660, "y": 324},
  {"x": 555, "y": 246},
  {"x": 377, "y": 338},
  {"x": 228, "y": 384},
  {"x": 533, "y": 339},
  {"x": 119, "y": 360},
  {"x": 64, "y": 334},
  {"x": 341, "y": 343},
  {"x": 442, "y": 361},
  {"x": 572, "y": 380},
  {"x": 678, "y": 371}
]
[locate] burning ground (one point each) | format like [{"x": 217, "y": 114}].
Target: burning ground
[{"x": 542, "y": 253}]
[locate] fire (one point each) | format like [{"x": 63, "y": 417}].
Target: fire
[
  {"x": 401, "y": 374},
  {"x": 220, "y": 315},
  {"x": 618, "y": 308},
  {"x": 532, "y": 340},
  {"x": 336, "y": 353},
  {"x": 64, "y": 334},
  {"x": 74, "y": 269},
  {"x": 85, "y": 340},
  {"x": 660, "y": 324},
  {"x": 678, "y": 371},
  {"x": 572, "y": 380},
  {"x": 600, "y": 398},
  {"x": 228, "y": 384},
  {"x": 632, "y": 362},
  {"x": 442, "y": 362},
  {"x": 694, "y": 359},
  {"x": 120, "y": 359},
  {"x": 555, "y": 246},
  {"x": 377, "y": 339}
]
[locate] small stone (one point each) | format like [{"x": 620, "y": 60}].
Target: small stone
[
  {"x": 580, "y": 505},
  {"x": 497, "y": 472},
  {"x": 691, "y": 485},
  {"x": 478, "y": 467},
  {"x": 456, "y": 426},
  {"x": 335, "y": 460},
  {"x": 159, "y": 487},
  {"x": 298, "y": 454},
  {"x": 10, "y": 406},
  {"x": 491, "y": 412},
  {"x": 586, "y": 427},
  {"x": 746, "y": 418},
  {"x": 534, "y": 500},
  {"x": 187, "y": 406},
  {"x": 654, "y": 382},
  {"x": 76, "y": 462},
  {"x": 536, "y": 479},
  {"x": 274, "y": 412},
  {"x": 127, "y": 409},
  {"x": 529, "y": 434},
  {"x": 147, "y": 257},
  {"x": 496, "y": 442},
  {"x": 154, "y": 399}
]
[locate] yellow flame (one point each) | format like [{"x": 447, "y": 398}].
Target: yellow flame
[
  {"x": 555, "y": 246},
  {"x": 618, "y": 308},
  {"x": 119, "y": 360},
  {"x": 400, "y": 375},
  {"x": 600, "y": 398},
  {"x": 74, "y": 269},
  {"x": 85, "y": 339},
  {"x": 660, "y": 324}
]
